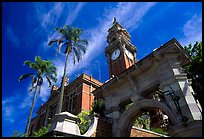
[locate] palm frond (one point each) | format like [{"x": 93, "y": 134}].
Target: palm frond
[
  {"x": 52, "y": 41},
  {"x": 50, "y": 83},
  {"x": 40, "y": 81},
  {"x": 51, "y": 77},
  {"x": 77, "y": 53},
  {"x": 34, "y": 79},
  {"x": 61, "y": 31},
  {"x": 38, "y": 60},
  {"x": 31, "y": 64},
  {"x": 51, "y": 70},
  {"x": 27, "y": 62},
  {"x": 39, "y": 89},
  {"x": 68, "y": 50},
  {"x": 31, "y": 89},
  {"x": 74, "y": 58},
  {"x": 60, "y": 46},
  {"x": 83, "y": 42},
  {"x": 25, "y": 76},
  {"x": 82, "y": 48}
]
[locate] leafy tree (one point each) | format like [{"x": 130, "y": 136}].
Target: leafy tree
[
  {"x": 145, "y": 123},
  {"x": 44, "y": 69},
  {"x": 194, "y": 69},
  {"x": 70, "y": 38},
  {"x": 159, "y": 130},
  {"x": 84, "y": 121},
  {"x": 17, "y": 134},
  {"x": 42, "y": 131},
  {"x": 98, "y": 107}
]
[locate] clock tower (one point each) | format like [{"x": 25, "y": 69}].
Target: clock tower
[{"x": 120, "y": 53}]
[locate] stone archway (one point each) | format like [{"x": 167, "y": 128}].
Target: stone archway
[
  {"x": 158, "y": 74},
  {"x": 128, "y": 115}
]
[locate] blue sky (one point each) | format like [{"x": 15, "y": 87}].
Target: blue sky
[{"x": 27, "y": 27}]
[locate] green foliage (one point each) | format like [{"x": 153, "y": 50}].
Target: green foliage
[
  {"x": 17, "y": 134},
  {"x": 43, "y": 69},
  {"x": 84, "y": 121},
  {"x": 98, "y": 107},
  {"x": 42, "y": 131},
  {"x": 145, "y": 123},
  {"x": 70, "y": 39},
  {"x": 128, "y": 106},
  {"x": 159, "y": 130},
  {"x": 194, "y": 69}
]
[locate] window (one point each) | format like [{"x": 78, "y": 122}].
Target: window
[
  {"x": 41, "y": 120},
  {"x": 71, "y": 101},
  {"x": 53, "y": 109},
  {"x": 113, "y": 39}
]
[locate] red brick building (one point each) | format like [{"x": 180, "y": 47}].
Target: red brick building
[
  {"x": 79, "y": 94},
  {"x": 77, "y": 97}
]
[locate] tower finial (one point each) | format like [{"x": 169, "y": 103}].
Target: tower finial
[{"x": 114, "y": 20}]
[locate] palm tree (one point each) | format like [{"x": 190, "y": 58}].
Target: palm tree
[
  {"x": 44, "y": 69},
  {"x": 70, "y": 38}
]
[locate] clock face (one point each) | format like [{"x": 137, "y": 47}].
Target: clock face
[
  {"x": 129, "y": 54},
  {"x": 115, "y": 54}
]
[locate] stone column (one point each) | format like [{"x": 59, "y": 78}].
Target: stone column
[
  {"x": 65, "y": 122},
  {"x": 171, "y": 75},
  {"x": 112, "y": 106}
]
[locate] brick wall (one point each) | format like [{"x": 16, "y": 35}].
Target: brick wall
[
  {"x": 33, "y": 125},
  {"x": 135, "y": 132},
  {"x": 104, "y": 128}
]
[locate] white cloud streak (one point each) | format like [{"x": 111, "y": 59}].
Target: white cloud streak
[
  {"x": 192, "y": 30},
  {"x": 8, "y": 113},
  {"x": 128, "y": 14},
  {"x": 50, "y": 17},
  {"x": 12, "y": 37},
  {"x": 74, "y": 13},
  {"x": 8, "y": 108}
]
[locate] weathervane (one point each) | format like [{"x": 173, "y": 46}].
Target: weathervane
[{"x": 114, "y": 20}]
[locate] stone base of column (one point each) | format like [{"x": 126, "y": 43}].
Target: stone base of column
[
  {"x": 65, "y": 122},
  {"x": 191, "y": 129}
]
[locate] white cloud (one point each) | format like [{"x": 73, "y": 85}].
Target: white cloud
[
  {"x": 12, "y": 37},
  {"x": 128, "y": 14},
  {"x": 50, "y": 17},
  {"x": 10, "y": 99},
  {"x": 8, "y": 108},
  {"x": 45, "y": 91},
  {"x": 8, "y": 113},
  {"x": 192, "y": 30},
  {"x": 74, "y": 13},
  {"x": 17, "y": 105},
  {"x": 26, "y": 102}
]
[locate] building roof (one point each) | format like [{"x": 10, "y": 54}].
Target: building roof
[
  {"x": 170, "y": 47},
  {"x": 83, "y": 78}
]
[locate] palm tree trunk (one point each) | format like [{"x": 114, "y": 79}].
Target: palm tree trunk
[
  {"x": 62, "y": 89},
  {"x": 30, "y": 114}
]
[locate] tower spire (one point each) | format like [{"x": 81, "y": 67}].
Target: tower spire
[{"x": 114, "y": 20}]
